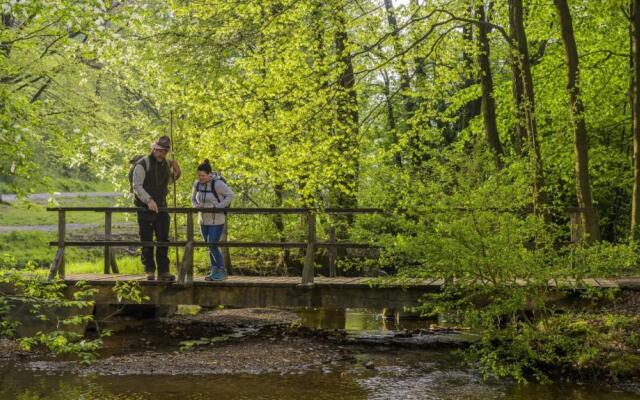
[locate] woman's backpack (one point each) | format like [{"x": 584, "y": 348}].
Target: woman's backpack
[{"x": 202, "y": 187}]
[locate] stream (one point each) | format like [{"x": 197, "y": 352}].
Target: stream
[{"x": 266, "y": 354}]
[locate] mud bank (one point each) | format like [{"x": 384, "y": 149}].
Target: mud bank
[
  {"x": 249, "y": 356},
  {"x": 228, "y": 341}
]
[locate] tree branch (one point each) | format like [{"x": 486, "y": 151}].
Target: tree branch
[
  {"x": 499, "y": 28},
  {"x": 40, "y": 91}
]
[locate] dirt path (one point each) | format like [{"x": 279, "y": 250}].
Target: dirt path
[
  {"x": 9, "y": 198},
  {"x": 54, "y": 228},
  {"x": 43, "y": 228}
]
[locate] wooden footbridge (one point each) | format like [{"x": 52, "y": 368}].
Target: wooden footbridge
[{"x": 306, "y": 290}]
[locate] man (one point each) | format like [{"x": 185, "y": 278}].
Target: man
[{"x": 151, "y": 178}]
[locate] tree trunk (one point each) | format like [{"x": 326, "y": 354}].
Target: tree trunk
[
  {"x": 405, "y": 80},
  {"x": 391, "y": 119},
  {"x": 403, "y": 71},
  {"x": 635, "y": 112},
  {"x": 348, "y": 119},
  {"x": 519, "y": 137},
  {"x": 345, "y": 187},
  {"x": 473, "y": 107},
  {"x": 578, "y": 125},
  {"x": 486, "y": 81},
  {"x": 418, "y": 60},
  {"x": 6, "y": 21},
  {"x": 525, "y": 102}
]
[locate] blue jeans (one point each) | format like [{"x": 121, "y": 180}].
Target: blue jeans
[{"x": 210, "y": 234}]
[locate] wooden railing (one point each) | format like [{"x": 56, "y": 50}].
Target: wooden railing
[{"x": 185, "y": 270}]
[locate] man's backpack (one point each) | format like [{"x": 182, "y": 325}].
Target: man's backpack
[{"x": 144, "y": 160}]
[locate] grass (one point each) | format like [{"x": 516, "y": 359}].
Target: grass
[
  {"x": 55, "y": 183},
  {"x": 131, "y": 265},
  {"x": 126, "y": 265},
  {"x": 32, "y": 213},
  {"x": 17, "y": 249}
]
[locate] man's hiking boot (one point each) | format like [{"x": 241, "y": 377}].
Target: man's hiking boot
[
  {"x": 151, "y": 277},
  {"x": 166, "y": 277}
]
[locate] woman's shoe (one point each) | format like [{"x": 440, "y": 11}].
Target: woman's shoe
[
  {"x": 224, "y": 274},
  {"x": 217, "y": 276},
  {"x": 209, "y": 278}
]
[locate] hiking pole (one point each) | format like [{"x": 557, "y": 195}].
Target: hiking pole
[{"x": 175, "y": 197}]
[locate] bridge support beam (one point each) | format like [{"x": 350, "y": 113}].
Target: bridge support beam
[{"x": 251, "y": 293}]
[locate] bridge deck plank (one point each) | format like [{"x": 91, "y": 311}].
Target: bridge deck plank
[
  {"x": 231, "y": 280},
  {"x": 281, "y": 281}
]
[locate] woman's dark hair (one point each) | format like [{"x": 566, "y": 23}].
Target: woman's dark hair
[{"x": 205, "y": 166}]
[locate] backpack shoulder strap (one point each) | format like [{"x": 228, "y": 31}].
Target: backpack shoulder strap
[
  {"x": 213, "y": 189},
  {"x": 202, "y": 187},
  {"x": 147, "y": 163}
]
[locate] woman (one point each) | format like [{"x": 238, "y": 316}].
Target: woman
[{"x": 210, "y": 191}]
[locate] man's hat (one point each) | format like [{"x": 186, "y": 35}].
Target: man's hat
[{"x": 163, "y": 143}]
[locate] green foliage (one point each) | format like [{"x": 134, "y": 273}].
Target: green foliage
[
  {"x": 20, "y": 248},
  {"x": 129, "y": 291},
  {"x": 46, "y": 301},
  {"x": 64, "y": 342},
  {"x": 7, "y": 326},
  {"x": 502, "y": 269},
  {"x": 579, "y": 344}
]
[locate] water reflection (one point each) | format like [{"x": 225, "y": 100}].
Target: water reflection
[
  {"x": 356, "y": 320},
  {"x": 429, "y": 380},
  {"x": 25, "y": 386}
]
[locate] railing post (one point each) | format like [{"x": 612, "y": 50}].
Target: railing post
[
  {"x": 332, "y": 251},
  {"x": 309, "y": 260},
  {"x": 57, "y": 266},
  {"x": 62, "y": 231},
  {"x": 189, "y": 248},
  {"x": 107, "y": 237},
  {"x": 226, "y": 252},
  {"x": 577, "y": 224},
  {"x": 109, "y": 254},
  {"x": 185, "y": 275}
]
